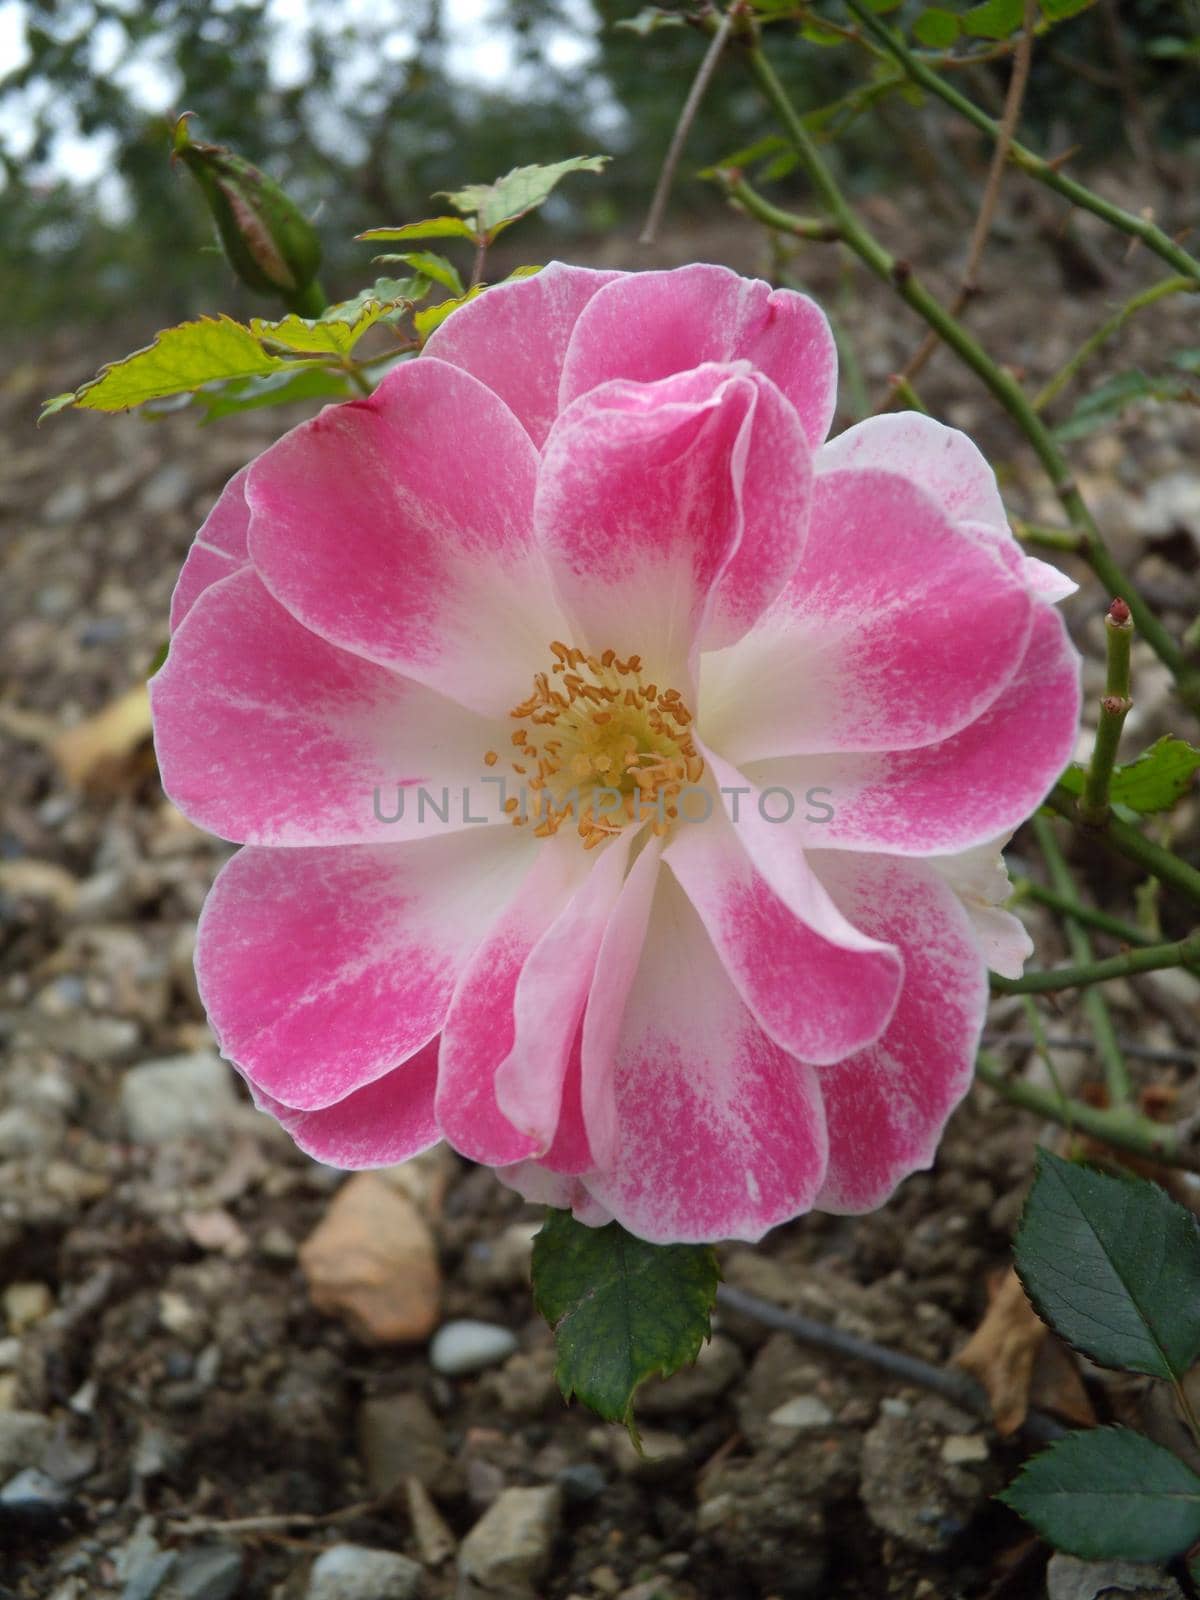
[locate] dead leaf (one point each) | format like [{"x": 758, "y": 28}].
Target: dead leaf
[
  {"x": 1002, "y": 1351},
  {"x": 101, "y": 750}
]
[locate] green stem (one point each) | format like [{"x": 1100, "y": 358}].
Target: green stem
[
  {"x": 1068, "y": 905},
  {"x": 1095, "y": 1007},
  {"x": 1114, "y": 708},
  {"x": 1001, "y": 383},
  {"x": 1121, "y": 1127},
  {"x": 1106, "y": 330},
  {"x": 1068, "y": 540},
  {"x": 1133, "y": 843},
  {"x": 1044, "y": 171},
  {"x": 1151, "y": 958}
]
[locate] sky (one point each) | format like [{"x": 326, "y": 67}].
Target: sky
[{"x": 482, "y": 51}]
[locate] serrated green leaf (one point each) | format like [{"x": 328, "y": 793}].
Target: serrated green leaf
[
  {"x": 819, "y": 33},
  {"x": 994, "y": 19},
  {"x": 181, "y": 359},
  {"x": 433, "y": 316},
  {"x": 622, "y": 1310},
  {"x": 936, "y": 29},
  {"x": 321, "y": 336},
  {"x": 496, "y": 205},
  {"x": 1113, "y": 1265},
  {"x": 431, "y": 228},
  {"x": 1110, "y": 1494},
  {"x": 1107, "y": 402},
  {"x": 1060, "y": 10},
  {"x": 429, "y": 265},
  {"x": 1158, "y": 778},
  {"x": 310, "y": 382}
]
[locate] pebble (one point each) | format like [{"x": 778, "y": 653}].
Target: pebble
[
  {"x": 34, "y": 1496},
  {"x": 718, "y": 1365},
  {"x": 511, "y": 1544},
  {"x": 25, "y": 1305},
  {"x": 177, "y": 1097},
  {"x": 372, "y": 1262},
  {"x": 1069, "y": 1578},
  {"x": 207, "y": 1572},
  {"x": 435, "y": 1543},
  {"x": 805, "y": 1411},
  {"x": 458, "y": 1348},
  {"x": 582, "y": 1482},
  {"x": 398, "y": 1438},
  {"x": 960, "y": 1449},
  {"x": 664, "y": 1455},
  {"x": 24, "y": 1436},
  {"x": 354, "y": 1572},
  {"x": 25, "y": 1132}
]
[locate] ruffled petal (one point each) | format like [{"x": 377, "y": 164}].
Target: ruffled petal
[
  {"x": 720, "y": 1133},
  {"x": 897, "y": 629},
  {"x": 945, "y": 463},
  {"x": 950, "y": 796},
  {"x": 400, "y": 527},
  {"x": 980, "y": 880},
  {"x": 648, "y": 325},
  {"x": 514, "y": 338},
  {"x": 387, "y": 1122},
  {"x": 662, "y": 506},
  {"x": 480, "y": 1030},
  {"x": 218, "y": 550},
  {"x": 266, "y": 734},
  {"x": 322, "y": 970},
  {"x": 817, "y": 997},
  {"x": 886, "y": 1106}
]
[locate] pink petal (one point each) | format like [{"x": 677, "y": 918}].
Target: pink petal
[
  {"x": 541, "y": 1187},
  {"x": 218, "y": 549},
  {"x": 720, "y": 1134},
  {"x": 267, "y": 734},
  {"x": 950, "y": 796},
  {"x": 651, "y": 496},
  {"x": 897, "y": 629},
  {"x": 648, "y": 325},
  {"x": 887, "y": 1105},
  {"x": 815, "y": 996},
  {"x": 388, "y": 1121},
  {"x": 400, "y": 528},
  {"x": 514, "y": 338},
  {"x": 548, "y": 1003},
  {"x": 322, "y": 970},
  {"x": 480, "y": 1031},
  {"x": 943, "y": 462}
]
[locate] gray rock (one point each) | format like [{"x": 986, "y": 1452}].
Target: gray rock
[
  {"x": 717, "y": 1366},
  {"x": 510, "y": 1546},
  {"x": 26, "y": 1132},
  {"x": 909, "y": 1489},
  {"x": 353, "y": 1572},
  {"x": 1068, "y": 1578},
  {"x": 804, "y": 1412},
  {"x": 206, "y": 1572},
  {"x": 458, "y": 1348},
  {"x": 582, "y": 1481},
  {"x": 177, "y": 1097},
  {"x": 34, "y": 1495},
  {"x": 24, "y": 1437},
  {"x": 399, "y": 1437}
]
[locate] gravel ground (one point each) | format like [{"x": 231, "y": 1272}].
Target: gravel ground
[{"x": 216, "y": 1376}]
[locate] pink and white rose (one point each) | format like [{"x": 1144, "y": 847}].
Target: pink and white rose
[{"x": 764, "y": 706}]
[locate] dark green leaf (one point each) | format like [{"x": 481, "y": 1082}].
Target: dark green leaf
[
  {"x": 994, "y": 19},
  {"x": 1060, "y": 10},
  {"x": 622, "y": 1310},
  {"x": 310, "y": 382},
  {"x": 1113, "y": 1265},
  {"x": 1107, "y": 402},
  {"x": 1158, "y": 778},
  {"x": 1107, "y": 1494},
  {"x": 936, "y": 28}
]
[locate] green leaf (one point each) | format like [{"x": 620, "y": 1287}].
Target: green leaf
[
  {"x": 433, "y": 316},
  {"x": 496, "y": 205},
  {"x": 322, "y": 336},
  {"x": 429, "y": 265},
  {"x": 1158, "y": 778},
  {"x": 1060, "y": 10},
  {"x": 622, "y": 1310},
  {"x": 882, "y": 7},
  {"x": 180, "y": 359},
  {"x": 1107, "y": 402},
  {"x": 649, "y": 20},
  {"x": 302, "y": 381},
  {"x": 936, "y": 29},
  {"x": 1109, "y": 1493},
  {"x": 994, "y": 19},
  {"x": 1113, "y": 1265},
  {"x": 431, "y": 228}
]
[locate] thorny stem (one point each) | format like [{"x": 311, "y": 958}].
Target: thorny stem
[
  {"x": 1046, "y": 172},
  {"x": 1095, "y": 1007},
  {"x": 1134, "y": 844},
  {"x": 1001, "y": 383},
  {"x": 969, "y": 285},
  {"x": 1106, "y": 330},
  {"x": 1115, "y": 706},
  {"x": 683, "y": 127},
  {"x": 1027, "y": 889},
  {"x": 1122, "y": 1127},
  {"x": 1150, "y": 958}
]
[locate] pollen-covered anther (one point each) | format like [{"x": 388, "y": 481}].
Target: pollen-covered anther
[{"x": 600, "y": 747}]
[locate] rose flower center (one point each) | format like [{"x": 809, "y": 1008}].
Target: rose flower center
[{"x": 598, "y": 746}]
